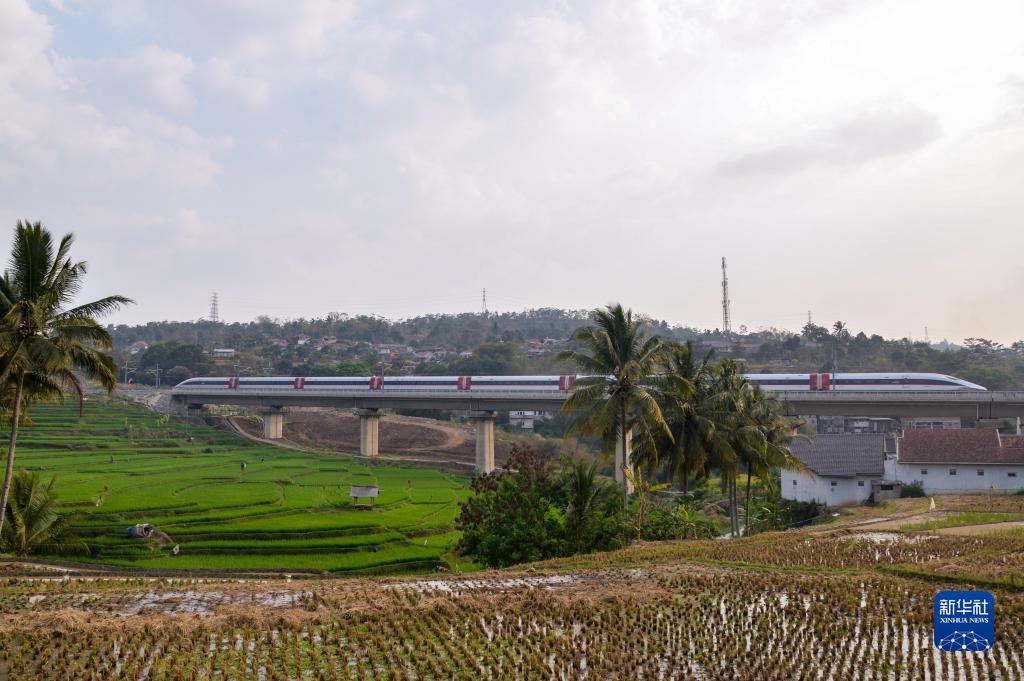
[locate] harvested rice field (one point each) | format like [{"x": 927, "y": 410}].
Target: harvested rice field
[{"x": 657, "y": 611}]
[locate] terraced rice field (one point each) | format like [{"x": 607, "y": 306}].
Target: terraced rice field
[{"x": 285, "y": 510}]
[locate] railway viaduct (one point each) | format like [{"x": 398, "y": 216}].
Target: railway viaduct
[{"x": 483, "y": 407}]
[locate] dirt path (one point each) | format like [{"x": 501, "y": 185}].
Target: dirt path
[
  {"x": 243, "y": 429},
  {"x": 985, "y": 528},
  {"x": 402, "y": 437}
]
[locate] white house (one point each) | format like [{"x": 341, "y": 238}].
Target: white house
[
  {"x": 841, "y": 469},
  {"x": 965, "y": 460}
]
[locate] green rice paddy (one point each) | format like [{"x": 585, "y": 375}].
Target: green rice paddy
[{"x": 122, "y": 464}]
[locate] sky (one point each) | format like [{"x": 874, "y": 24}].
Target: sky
[{"x": 863, "y": 161}]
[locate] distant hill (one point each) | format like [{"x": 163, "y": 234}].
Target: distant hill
[{"x": 519, "y": 342}]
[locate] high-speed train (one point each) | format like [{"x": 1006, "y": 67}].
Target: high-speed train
[{"x": 884, "y": 382}]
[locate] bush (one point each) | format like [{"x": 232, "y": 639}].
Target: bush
[
  {"x": 667, "y": 519},
  {"x": 528, "y": 511},
  {"x": 33, "y": 523},
  {"x": 912, "y": 489},
  {"x": 797, "y": 513}
]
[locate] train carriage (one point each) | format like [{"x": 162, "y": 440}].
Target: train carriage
[{"x": 863, "y": 382}]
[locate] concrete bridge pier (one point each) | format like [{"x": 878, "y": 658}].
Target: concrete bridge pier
[
  {"x": 273, "y": 423},
  {"x": 369, "y": 431},
  {"x": 620, "y": 477},
  {"x": 484, "y": 440}
]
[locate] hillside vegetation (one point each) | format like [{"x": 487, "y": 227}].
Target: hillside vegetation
[{"x": 523, "y": 342}]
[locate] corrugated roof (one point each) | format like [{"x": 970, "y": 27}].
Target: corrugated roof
[
  {"x": 959, "y": 445},
  {"x": 843, "y": 456},
  {"x": 361, "y": 491}
]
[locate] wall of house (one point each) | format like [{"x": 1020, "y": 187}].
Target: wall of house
[
  {"x": 798, "y": 486},
  {"x": 997, "y": 478}
]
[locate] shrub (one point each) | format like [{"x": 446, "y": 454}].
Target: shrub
[
  {"x": 527, "y": 511},
  {"x": 669, "y": 520},
  {"x": 912, "y": 489},
  {"x": 33, "y": 523}
]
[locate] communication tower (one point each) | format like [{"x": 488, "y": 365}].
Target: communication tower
[
  {"x": 726, "y": 319},
  {"x": 214, "y": 312},
  {"x": 484, "y": 303}
]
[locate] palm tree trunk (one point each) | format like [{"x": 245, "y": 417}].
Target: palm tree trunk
[
  {"x": 9, "y": 470},
  {"x": 746, "y": 513},
  {"x": 625, "y": 460},
  {"x": 735, "y": 507}
]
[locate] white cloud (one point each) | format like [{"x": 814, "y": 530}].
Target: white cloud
[
  {"x": 224, "y": 77},
  {"x": 569, "y": 152}
]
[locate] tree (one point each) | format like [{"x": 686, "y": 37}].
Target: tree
[
  {"x": 43, "y": 346},
  {"x": 684, "y": 396},
  {"x": 615, "y": 398},
  {"x": 34, "y": 524},
  {"x": 737, "y": 439},
  {"x": 777, "y": 432},
  {"x": 586, "y": 525},
  {"x": 177, "y": 374},
  {"x": 513, "y": 516},
  {"x": 172, "y": 354}
]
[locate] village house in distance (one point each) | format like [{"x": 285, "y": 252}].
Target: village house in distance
[{"x": 847, "y": 469}]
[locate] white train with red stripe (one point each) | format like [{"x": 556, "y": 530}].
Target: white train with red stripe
[{"x": 863, "y": 382}]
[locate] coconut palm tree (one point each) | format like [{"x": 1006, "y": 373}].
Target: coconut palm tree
[
  {"x": 684, "y": 393},
  {"x": 615, "y": 398},
  {"x": 34, "y": 524},
  {"x": 778, "y": 431},
  {"x": 45, "y": 345},
  {"x": 737, "y": 440}
]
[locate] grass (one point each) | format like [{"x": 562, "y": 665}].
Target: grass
[
  {"x": 961, "y": 519},
  {"x": 122, "y": 464}
]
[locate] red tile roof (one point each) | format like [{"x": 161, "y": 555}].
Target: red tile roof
[
  {"x": 1012, "y": 440},
  {"x": 959, "y": 445}
]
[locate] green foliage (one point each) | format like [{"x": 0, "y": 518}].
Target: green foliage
[
  {"x": 287, "y": 510},
  {"x": 613, "y": 398},
  {"x": 173, "y": 356},
  {"x": 492, "y": 359},
  {"x": 667, "y": 519},
  {"x": 33, "y": 521},
  {"x": 912, "y": 489},
  {"x": 529, "y": 512},
  {"x": 47, "y": 345}
]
